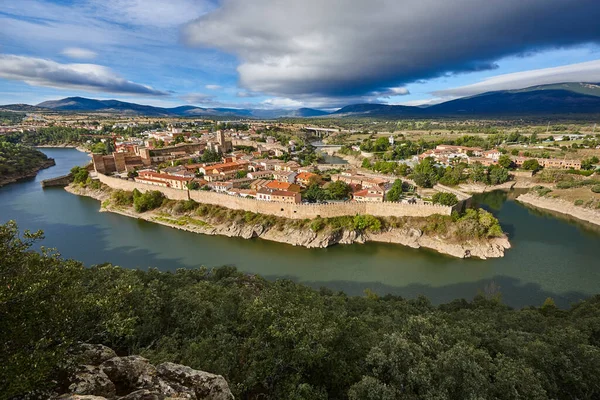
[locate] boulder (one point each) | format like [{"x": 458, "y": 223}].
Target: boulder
[
  {"x": 202, "y": 385},
  {"x": 91, "y": 380},
  {"x": 134, "y": 378},
  {"x": 92, "y": 354},
  {"x": 130, "y": 373}
]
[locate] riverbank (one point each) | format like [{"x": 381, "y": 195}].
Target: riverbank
[
  {"x": 298, "y": 233},
  {"x": 32, "y": 173},
  {"x": 63, "y": 146},
  {"x": 561, "y": 207}
]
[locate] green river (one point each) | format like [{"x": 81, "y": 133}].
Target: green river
[{"x": 551, "y": 257}]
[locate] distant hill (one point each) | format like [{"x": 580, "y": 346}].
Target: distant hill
[
  {"x": 540, "y": 101},
  {"x": 556, "y": 99},
  {"x": 22, "y": 108}
]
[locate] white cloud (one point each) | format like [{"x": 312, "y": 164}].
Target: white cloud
[
  {"x": 356, "y": 47},
  {"x": 213, "y": 87},
  {"x": 582, "y": 72},
  {"x": 90, "y": 77},
  {"x": 198, "y": 98},
  {"x": 278, "y": 102},
  {"x": 79, "y": 53}
]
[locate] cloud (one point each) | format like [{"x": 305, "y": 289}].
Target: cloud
[
  {"x": 213, "y": 87},
  {"x": 278, "y": 102},
  {"x": 582, "y": 72},
  {"x": 355, "y": 47},
  {"x": 89, "y": 77},
  {"x": 79, "y": 53},
  {"x": 198, "y": 98},
  {"x": 245, "y": 94}
]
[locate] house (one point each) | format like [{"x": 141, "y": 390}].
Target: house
[
  {"x": 286, "y": 197},
  {"x": 360, "y": 180},
  {"x": 304, "y": 178},
  {"x": 165, "y": 180},
  {"x": 220, "y": 187},
  {"x": 285, "y": 176},
  {"x": 373, "y": 194},
  {"x": 286, "y": 186},
  {"x": 260, "y": 174}
]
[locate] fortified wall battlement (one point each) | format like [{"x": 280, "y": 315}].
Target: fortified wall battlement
[{"x": 286, "y": 210}]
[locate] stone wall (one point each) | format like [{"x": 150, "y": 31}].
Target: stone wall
[{"x": 293, "y": 211}]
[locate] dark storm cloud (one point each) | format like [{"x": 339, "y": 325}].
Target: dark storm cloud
[{"x": 356, "y": 47}]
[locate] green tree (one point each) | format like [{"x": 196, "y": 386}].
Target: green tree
[
  {"x": 532, "y": 165},
  {"x": 478, "y": 173},
  {"x": 314, "y": 193},
  {"x": 498, "y": 175},
  {"x": 339, "y": 190},
  {"x": 505, "y": 161},
  {"x": 425, "y": 174},
  {"x": 443, "y": 198},
  {"x": 395, "y": 192}
]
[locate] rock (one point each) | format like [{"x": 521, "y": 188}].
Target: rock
[
  {"x": 203, "y": 385},
  {"x": 92, "y": 354},
  {"x": 91, "y": 380},
  {"x": 143, "y": 394},
  {"x": 130, "y": 373},
  {"x": 134, "y": 378}
]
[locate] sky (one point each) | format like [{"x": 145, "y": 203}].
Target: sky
[{"x": 289, "y": 53}]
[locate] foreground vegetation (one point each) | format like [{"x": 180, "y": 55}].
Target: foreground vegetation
[{"x": 281, "y": 340}]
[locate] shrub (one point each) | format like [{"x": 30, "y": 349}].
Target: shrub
[
  {"x": 578, "y": 202},
  {"x": 317, "y": 225},
  {"x": 80, "y": 174},
  {"x": 364, "y": 222},
  {"x": 150, "y": 200},
  {"x": 122, "y": 198},
  {"x": 446, "y": 199},
  {"x": 596, "y": 188}
]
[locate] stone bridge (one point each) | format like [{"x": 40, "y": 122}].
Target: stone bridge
[{"x": 61, "y": 181}]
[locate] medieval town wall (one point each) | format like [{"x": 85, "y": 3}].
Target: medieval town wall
[{"x": 286, "y": 210}]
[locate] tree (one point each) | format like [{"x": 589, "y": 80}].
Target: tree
[
  {"x": 366, "y": 163},
  {"x": 478, "y": 173},
  {"x": 443, "y": 198},
  {"x": 505, "y": 161},
  {"x": 314, "y": 193},
  {"x": 147, "y": 201},
  {"x": 395, "y": 192},
  {"x": 425, "y": 174},
  {"x": 179, "y": 139},
  {"x": 79, "y": 174},
  {"x": 210, "y": 156},
  {"x": 241, "y": 174},
  {"x": 339, "y": 190},
  {"x": 532, "y": 165},
  {"x": 498, "y": 175}
]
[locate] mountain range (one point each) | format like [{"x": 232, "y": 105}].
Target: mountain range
[{"x": 542, "y": 100}]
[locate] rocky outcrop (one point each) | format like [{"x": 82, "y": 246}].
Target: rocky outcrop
[
  {"x": 105, "y": 376},
  {"x": 561, "y": 206}
]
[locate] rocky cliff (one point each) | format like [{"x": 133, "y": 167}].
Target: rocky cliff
[
  {"x": 95, "y": 372},
  {"x": 306, "y": 237}
]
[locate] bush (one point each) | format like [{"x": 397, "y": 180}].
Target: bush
[
  {"x": 541, "y": 190},
  {"x": 150, "y": 200},
  {"x": 317, "y": 224},
  {"x": 446, "y": 199},
  {"x": 596, "y": 188},
  {"x": 364, "y": 222},
  {"x": 122, "y": 198},
  {"x": 80, "y": 175},
  {"x": 578, "y": 202}
]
